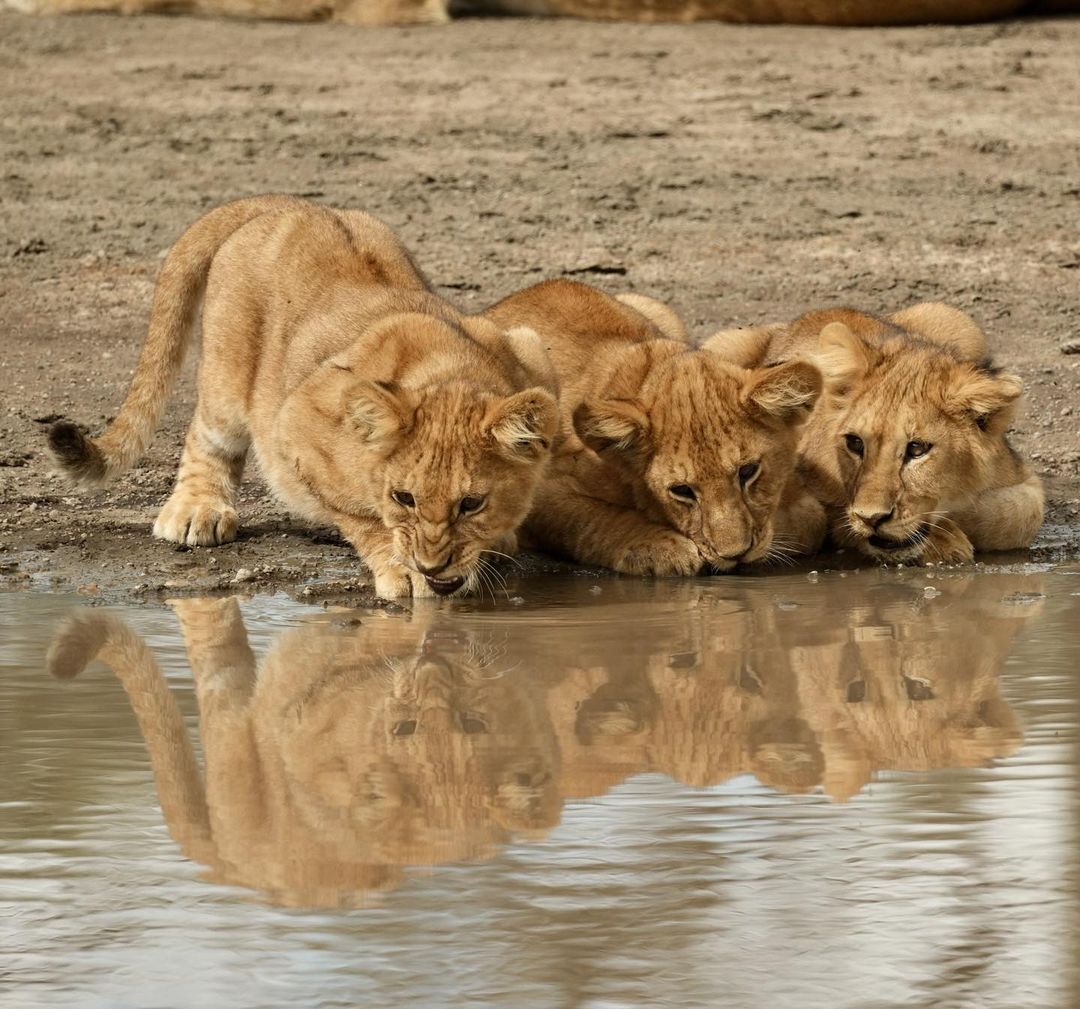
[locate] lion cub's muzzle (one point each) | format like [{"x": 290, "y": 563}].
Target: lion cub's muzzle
[{"x": 895, "y": 546}]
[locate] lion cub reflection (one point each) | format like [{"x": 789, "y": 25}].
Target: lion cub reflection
[{"x": 348, "y": 755}]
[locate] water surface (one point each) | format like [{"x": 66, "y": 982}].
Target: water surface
[{"x": 849, "y": 790}]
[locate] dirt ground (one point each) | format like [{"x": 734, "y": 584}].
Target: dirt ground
[{"x": 745, "y": 174}]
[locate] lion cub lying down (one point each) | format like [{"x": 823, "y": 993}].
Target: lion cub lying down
[
  {"x": 907, "y": 447},
  {"x": 370, "y": 402},
  {"x": 671, "y": 460}
]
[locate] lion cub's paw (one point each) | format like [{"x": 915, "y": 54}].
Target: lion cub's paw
[
  {"x": 398, "y": 582},
  {"x": 196, "y": 524},
  {"x": 663, "y": 553},
  {"x": 947, "y": 543},
  {"x": 393, "y": 583}
]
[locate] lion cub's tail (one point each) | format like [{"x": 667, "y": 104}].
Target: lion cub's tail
[
  {"x": 90, "y": 634},
  {"x": 173, "y": 317}
]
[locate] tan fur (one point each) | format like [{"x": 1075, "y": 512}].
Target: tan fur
[
  {"x": 326, "y": 353},
  {"x": 343, "y": 758},
  {"x": 918, "y": 376},
  {"x": 400, "y": 12},
  {"x": 351, "y": 754},
  {"x": 641, "y": 414}
]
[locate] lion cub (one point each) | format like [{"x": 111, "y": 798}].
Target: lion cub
[
  {"x": 670, "y": 460},
  {"x": 907, "y": 447},
  {"x": 370, "y": 402}
]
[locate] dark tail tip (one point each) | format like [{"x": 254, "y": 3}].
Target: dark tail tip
[
  {"x": 75, "y": 646},
  {"x": 76, "y": 454}
]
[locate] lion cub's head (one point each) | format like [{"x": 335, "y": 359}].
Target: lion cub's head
[
  {"x": 450, "y": 467},
  {"x": 908, "y": 432},
  {"x": 455, "y": 472},
  {"x": 707, "y": 446}
]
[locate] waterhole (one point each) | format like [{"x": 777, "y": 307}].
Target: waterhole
[{"x": 852, "y": 790}]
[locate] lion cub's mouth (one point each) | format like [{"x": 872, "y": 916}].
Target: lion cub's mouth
[
  {"x": 445, "y": 586},
  {"x": 916, "y": 539}
]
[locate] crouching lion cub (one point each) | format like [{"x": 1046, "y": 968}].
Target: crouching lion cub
[
  {"x": 907, "y": 447},
  {"x": 670, "y": 460},
  {"x": 370, "y": 402}
]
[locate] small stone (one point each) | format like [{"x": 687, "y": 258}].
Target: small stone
[
  {"x": 89, "y": 589},
  {"x": 595, "y": 590},
  {"x": 787, "y": 604},
  {"x": 813, "y": 576},
  {"x": 1070, "y": 347},
  {"x": 929, "y": 592},
  {"x": 517, "y": 601},
  {"x": 243, "y": 575}
]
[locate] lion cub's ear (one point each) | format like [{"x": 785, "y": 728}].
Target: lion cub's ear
[
  {"x": 380, "y": 411},
  {"x": 986, "y": 397},
  {"x": 787, "y": 391},
  {"x": 523, "y": 425},
  {"x": 620, "y": 425},
  {"x": 843, "y": 357}
]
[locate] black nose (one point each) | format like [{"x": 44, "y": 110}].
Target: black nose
[
  {"x": 875, "y": 519},
  {"x": 437, "y": 569}
]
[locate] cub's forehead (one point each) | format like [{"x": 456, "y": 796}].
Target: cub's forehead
[{"x": 891, "y": 411}]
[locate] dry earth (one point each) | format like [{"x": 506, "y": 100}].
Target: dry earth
[{"x": 743, "y": 173}]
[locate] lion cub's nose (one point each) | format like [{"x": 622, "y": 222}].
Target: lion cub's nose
[{"x": 875, "y": 519}]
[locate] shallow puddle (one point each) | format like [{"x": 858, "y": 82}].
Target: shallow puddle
[{"x": 815, "y": 792}]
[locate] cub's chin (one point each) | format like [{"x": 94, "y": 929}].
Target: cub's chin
[{"x": 894, "y": 550}]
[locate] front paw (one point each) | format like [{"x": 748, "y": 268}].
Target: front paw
[
  {"x": 393, "y": 582},
  {"x": 664, "y": 553},
  {"x": 947, "y": 543},
  {"x": 195, "y": 523}
]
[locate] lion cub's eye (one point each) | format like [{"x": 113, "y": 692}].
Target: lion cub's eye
[
  {"x": 682, "y": 491},
  {"x": 748, "y": 471},
  {"x": 915, "y": 449},
  {"x": 404, "y": 498},
  {"x": 855, "y": 444},
  {"x": 406, "y": 727},
  {"x": 470, "y": 504},
  {"x": 472, "y": 724}
]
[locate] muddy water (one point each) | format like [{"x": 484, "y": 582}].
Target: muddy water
[{"x": 852, "y": 790}]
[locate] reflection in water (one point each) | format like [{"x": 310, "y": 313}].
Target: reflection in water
[{"x": 358, "y": 749}]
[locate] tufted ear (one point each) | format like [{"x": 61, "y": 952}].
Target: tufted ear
[
  {"x": 523, "y": 425},
  {"x": 984, "y": 396},
  {"x": 615, "y": 425},
  {"x": 843, "y": 357},
  {"x": 786, "y": 391},
  {"x": 381, "y": 412}
]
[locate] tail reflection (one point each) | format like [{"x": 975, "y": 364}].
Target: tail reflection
[{"x": 355, "y": 752}]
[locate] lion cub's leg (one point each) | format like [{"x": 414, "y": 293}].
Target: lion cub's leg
[
  {"x": 201, "y": 510},
  {"x": 597, "y": 532},
  {"x": 218, "y": 652},
  {"x": 1007, "y": 518},
  {"x": 800, "y": 523}
]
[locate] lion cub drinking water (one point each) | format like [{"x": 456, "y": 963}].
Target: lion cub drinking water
[
  {"x": 370, "y": 402},
  {"x": 907, "y": 447},
  {"x": 671, "y": 460}
]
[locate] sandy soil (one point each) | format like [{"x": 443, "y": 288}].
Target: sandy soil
[{"x": 743, "y": 173}]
